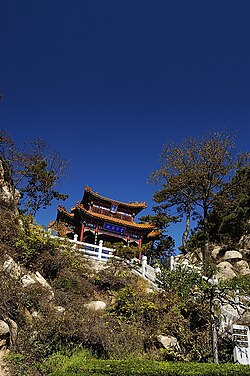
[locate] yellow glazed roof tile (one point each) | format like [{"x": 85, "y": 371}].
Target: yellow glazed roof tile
[
  {"x": 130, "y": 204},
  {"x": 146, "y": 226}
]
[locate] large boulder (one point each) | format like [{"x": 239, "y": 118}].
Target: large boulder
[
  {"x": 4, "y": 328},
  {"x": 192, "y": 258},
  {"x": 9, "y": 196},
  {"x": 167, "y": 341},
  {"x": 27, "y": 280},
  {"x": 229, "y": 315},
  {"x": 12, "y": 268},
  {"x": 216, "y": 252},
  {"x": 232, "y": 255},
  {"x": 42, "y": 281},
  {"x": 33, "y": 278},
  {"x": 225, "y": 271},
  {"x": 96, "y": 305},
  {"x": 13, "y": 330},
  {"x": 242, "y": 267},
  {"x": 4, "y": 337}
]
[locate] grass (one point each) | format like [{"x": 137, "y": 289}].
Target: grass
[{"x": 83, "y": 364}]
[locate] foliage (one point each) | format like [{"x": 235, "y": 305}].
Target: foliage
[
  {"x": 182, "y": 281},
  {"x": 34, "y": 170},
  {"x": 32, "y": 241},
  {"x": 60, "y": 365},
  {"x": 128, "y": 328},
  {"x": 125, "y": 251},
  {"x": 159, "y": 250},
  {"x": 9, "y": 228},
  {"x": 202, "y": 298},
  {"x": 128, "y": 252},
  {"x": 116, "y": 277},
  {"x": 241, "y": 284},
  {"x": 191, "y": 174},
  {"x": 230, "y": 218}
]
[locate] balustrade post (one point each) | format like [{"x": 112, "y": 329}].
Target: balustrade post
[
  {"x": 75, "y": 237},
  {"x": 144, "y": 264},
  {"x": 171, "y": 263},
  {"x": 100, "y": 249}
]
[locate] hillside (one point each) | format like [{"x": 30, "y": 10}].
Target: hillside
[{"x": 54, "y": 299}]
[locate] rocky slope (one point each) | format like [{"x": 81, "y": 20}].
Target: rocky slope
[
  {"x": 230, "y": 262},
  {"x": 9, "y": 196}
]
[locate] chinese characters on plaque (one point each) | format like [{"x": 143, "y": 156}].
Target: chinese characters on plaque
[{"x": 114, "y": 228}]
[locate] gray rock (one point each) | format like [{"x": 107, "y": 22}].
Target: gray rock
[
  {"x": 216, "y": 252},
  {"x": 42, "y": 281},
  {"x": 225, "y": 271},
  {"x": 27, "y": 280},
  {"x": 244, "y": 242},
  {"x": 39, "y": 278},
  {"x": 12, "y": 268},
  {"x": 13, "y": 330},
  {"x": 31, "y": 279},
  {"x": 232, "y": 255},
  {"x": 167, "y": 342},
  {"x": 36, "y": 315},
  {"x": 59, "y": 309},
  {"x": 242, "y": 267},
  {"x": 190, "y": 258},
  {"x": 8, "y": 193},
  {"x": 229, "y": 315},
  {"x": 4, "y": 328},
  {"x": 96, "y": 305}
]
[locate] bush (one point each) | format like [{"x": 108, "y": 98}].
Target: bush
[
  {"x": 9, "y": 228},
  {"x": 32, "y": 241}
]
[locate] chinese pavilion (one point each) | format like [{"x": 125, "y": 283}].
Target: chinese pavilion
[{"x": 98, "y": 218}]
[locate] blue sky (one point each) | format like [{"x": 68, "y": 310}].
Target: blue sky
[{"x": 107, "y": 83}]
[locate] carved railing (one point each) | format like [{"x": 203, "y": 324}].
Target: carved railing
[{"x": 104, "y": 254}]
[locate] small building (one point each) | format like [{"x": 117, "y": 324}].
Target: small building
[
  {"x": 98, "y": 218},
  {"x": 241, "y": 343}
]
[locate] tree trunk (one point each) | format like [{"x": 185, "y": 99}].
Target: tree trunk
[
  {"x": 206, "y": 236},
  {"x": 187, "y": 229},
  {"x": 214, "y": 333}
]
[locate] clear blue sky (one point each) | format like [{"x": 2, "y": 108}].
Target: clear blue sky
[{"x": 107, "y": 83}]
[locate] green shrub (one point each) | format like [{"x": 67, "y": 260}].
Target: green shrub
[
  {"x": 32, "y": 241},
  {"x": 80, "y": 365}
]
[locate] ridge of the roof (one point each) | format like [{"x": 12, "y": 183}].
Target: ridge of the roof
[
  {"x": 131, "y": 204},
  {"x": 63, "y": 209}
]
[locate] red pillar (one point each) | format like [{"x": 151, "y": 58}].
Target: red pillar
[
  {"x": 96, "y": 234},
  {"x": 139, "y": 244},
  {"x": 81, "y": 233}
]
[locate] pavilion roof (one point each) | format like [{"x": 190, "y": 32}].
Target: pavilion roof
[
  {"x": 141, "y": 226},
  {"x": 62, "y": 209},
  {"x": 133, "y": 205},
  {"x": 154, "y": 234}
]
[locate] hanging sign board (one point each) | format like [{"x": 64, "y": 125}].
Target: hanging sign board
[
  {"x": 114, "y": 228},
  {"x": 113, "y": 208}
]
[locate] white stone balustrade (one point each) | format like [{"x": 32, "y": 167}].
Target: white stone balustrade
[{"x": 104, "y": 254}]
